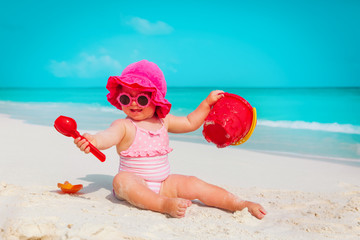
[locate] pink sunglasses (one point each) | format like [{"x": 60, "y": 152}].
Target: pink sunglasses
[{"x": 141, "y": 99}]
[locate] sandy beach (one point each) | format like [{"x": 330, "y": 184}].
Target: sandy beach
[{"x": 305, "y": 198}]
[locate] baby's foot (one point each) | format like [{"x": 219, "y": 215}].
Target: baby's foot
[
  {"x": 176, "y": 207},
  {"x": 256, "y": 210}
]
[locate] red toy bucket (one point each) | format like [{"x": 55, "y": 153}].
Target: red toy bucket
[{"x": 231, "y": 121}]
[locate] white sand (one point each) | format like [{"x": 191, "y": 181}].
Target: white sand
[{"x": 305, "y": 199}]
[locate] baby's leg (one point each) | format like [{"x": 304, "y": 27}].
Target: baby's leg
[
  {"x": 189, "y": 187},
  {"x": 133, "y": 189}
]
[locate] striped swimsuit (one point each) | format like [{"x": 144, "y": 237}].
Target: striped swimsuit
[{"x": 147, "y": 156}]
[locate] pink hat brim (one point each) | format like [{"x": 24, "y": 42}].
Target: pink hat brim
[{"x": 137, "y": 82}]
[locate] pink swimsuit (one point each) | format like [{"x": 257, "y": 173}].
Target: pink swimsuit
[{"x": 147, "y": 156}]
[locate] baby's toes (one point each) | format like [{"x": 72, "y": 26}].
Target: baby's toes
[
  {"x": 183, "y": 204},
  {"x": 258, "y": 213}
]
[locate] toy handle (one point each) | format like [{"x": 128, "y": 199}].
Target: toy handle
[
  {"x": 97, "y": 153},
  {"x": 93, "y": 149}
]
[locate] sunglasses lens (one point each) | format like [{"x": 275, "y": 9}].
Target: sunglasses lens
[
  {"x": 124, "y": 100},
  {"x": 143, "y": 100}
]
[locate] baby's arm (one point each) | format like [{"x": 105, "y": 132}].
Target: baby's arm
[
  {"x": 196, "y": 118},
  {"x": 104, "y": 139}
]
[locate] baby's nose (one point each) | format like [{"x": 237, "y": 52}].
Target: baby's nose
[{"x": 133, "y": 103}]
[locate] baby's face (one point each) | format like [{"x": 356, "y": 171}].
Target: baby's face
[{"x": 135, "y": 111}]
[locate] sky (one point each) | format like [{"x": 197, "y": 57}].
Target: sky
[{"x": 253, "y": 43}]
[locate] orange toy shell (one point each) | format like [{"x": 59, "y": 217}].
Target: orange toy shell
[{"x": 69, "y": 188}]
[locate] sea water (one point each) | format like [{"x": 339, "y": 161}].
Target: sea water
[{"x": 320, "y": 123}]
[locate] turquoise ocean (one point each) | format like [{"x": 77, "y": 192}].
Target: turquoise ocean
[{"x": 317, "y": 123}]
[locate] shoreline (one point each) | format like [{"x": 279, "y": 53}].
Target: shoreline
[
  {"x": 305, "y": 199},
  {"x": 332, "y": 159},
  {"x": 341, "y": 147}
]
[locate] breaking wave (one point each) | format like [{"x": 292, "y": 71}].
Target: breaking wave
[{"x": 315, "y": 126}]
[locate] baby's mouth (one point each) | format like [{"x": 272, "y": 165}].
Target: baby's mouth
[{"x": 135, "y": 110}]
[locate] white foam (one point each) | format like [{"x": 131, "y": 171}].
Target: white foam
[{"x": 316, "y": 126}]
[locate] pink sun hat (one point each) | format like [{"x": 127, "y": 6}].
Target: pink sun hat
[{"x": 142, "y": 76}]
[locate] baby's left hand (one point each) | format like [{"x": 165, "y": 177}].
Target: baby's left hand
[{"x": 214, "y": 96}]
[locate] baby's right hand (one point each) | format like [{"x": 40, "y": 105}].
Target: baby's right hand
[{"x": 83, "y": 143}]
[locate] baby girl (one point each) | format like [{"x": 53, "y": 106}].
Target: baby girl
[{"x": 141, "y": 140}]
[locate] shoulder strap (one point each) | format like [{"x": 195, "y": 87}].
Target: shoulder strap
[{"x": 132, "y": 122}]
